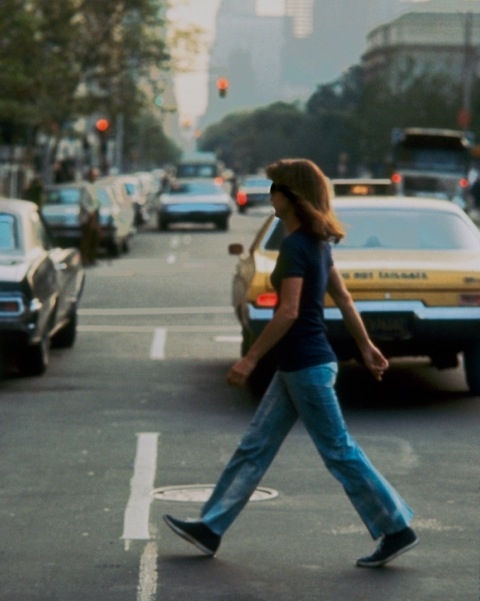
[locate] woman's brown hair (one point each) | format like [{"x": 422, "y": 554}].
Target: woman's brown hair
[{"x": 310, "y": 192}]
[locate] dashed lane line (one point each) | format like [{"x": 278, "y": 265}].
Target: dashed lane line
[
  {"x": 157, "y": 348},
  {"x": 137, "y": 511},
  {"x": 136, "y": 518}
]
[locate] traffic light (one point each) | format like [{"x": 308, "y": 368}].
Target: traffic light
[
  {"x": 102, "y": 125},
  {"x": 222, "y": 86}
]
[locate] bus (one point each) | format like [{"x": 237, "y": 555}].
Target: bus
[
  {"x": 432, "y": 162},
  {"x": 199, "y": 165}
]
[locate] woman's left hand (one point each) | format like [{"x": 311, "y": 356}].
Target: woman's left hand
[
  {"x": 375, "y": 361},
  {"x": 239, "y": 372}
]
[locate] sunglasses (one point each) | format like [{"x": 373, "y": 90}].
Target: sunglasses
[{"x": 285, "y": 190}]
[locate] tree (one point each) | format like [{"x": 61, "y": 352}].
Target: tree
[
  {"x": 250, "y": 140},
  {"x": 430, "y": 100},
  {"x": 61, "y": 59}
]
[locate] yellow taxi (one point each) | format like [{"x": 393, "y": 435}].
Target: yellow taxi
[{"x": 412, "y": 266}]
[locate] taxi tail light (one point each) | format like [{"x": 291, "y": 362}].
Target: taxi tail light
[
  {"x": 396, "y": 178},
  {"x": 463, "y": 183},
  {"x": 469, "y": 300},
  {"x": 241, "y": 198},
  {"x": 267, "y": 300},
  {"x": 10, "y": 306}
]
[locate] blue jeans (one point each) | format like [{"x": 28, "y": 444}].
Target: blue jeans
[{"x": 309, "y": 394}]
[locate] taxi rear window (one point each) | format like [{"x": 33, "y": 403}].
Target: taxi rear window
[
  {"x": 391, "y": 229},
  {"x": 402, "y": 230},
  {"x": 276, "y": 236}
]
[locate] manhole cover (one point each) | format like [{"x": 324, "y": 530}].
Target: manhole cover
[{"x": 200, "y": 493}]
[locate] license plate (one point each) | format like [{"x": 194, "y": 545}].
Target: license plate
[{"x": 388, "y": 327}]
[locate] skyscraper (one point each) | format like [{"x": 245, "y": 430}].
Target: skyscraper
[
  {"x": 248, "y": 52},
  {"x": 301, "y": 12}
]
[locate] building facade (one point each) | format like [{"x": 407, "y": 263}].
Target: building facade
[{"x": 445, "y": 44}]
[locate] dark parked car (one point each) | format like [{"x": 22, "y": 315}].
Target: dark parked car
[{"x": 40, "y": 287}]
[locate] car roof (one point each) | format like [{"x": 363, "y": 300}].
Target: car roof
[
  {"x": 65, "y": 185},
  {"x": 15, "y": 205},
  {"x": 407, "y": 203}
]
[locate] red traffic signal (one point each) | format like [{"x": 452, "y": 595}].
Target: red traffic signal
[
  {"x": 222, "y": 86},
  {"x": 102, "y": 125}
]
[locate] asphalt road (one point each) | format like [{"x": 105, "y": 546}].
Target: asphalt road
[{"x": 122, "y": 426}]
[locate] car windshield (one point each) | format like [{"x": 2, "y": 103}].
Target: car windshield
[
  {"x": 257, "y": 183},
  {"x": 197, "y": 170},
  {"x": 397, "y": 229},
  {"x": 130, "y": 188},
  {"x": 8, "y": 233},
  {"x": 195, "y": 188},
  {"x": 64, "y": 196}
]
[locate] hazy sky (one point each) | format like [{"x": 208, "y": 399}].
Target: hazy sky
[{"x": 191, "y": 88}]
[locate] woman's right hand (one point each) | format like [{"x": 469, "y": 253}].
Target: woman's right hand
[{"x": 240, "y": 371}]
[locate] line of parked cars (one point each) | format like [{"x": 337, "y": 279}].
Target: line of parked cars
[
  {"x": 121, "y": 202},
  {"x": 41, "y": 270}
]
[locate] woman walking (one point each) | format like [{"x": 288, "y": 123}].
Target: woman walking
[{"x": 303, "y": 385}]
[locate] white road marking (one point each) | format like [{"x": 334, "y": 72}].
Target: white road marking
[
  {"x": 134, "y": 311},
  {"x": 147, "y": 580},
  {"x": 157, "y": 348},
  {"x": 137, "y": 511},
  {"x": 148, "y": 329},
  {"x": 228, "y": 339}
]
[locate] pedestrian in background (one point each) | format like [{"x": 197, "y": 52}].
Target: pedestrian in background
[
  {"x": 35, "y": 191},
  {"x": 90, "y": 223},
  {"x": 474, "y": 194},
  {"x": 303, "y": 385}
]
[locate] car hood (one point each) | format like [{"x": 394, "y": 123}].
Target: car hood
[
  {"x": 190, "y": 199},
  {"x": 256, "y": 190}
]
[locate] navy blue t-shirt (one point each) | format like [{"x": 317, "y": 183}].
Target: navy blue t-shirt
[{"x": 302, "y": 255}]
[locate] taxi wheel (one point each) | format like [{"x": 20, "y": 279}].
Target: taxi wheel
[
  {"x": 471, "y": 362},
  {"x": 3, "y": 363},
  {"x": 65, "y": 338},
  {"x": 222, "y": 224}
]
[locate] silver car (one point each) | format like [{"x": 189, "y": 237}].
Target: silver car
[{"x": 196, "y": 201}]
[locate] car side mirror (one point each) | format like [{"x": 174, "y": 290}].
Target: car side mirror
[{"x": 235, "y": 249}]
